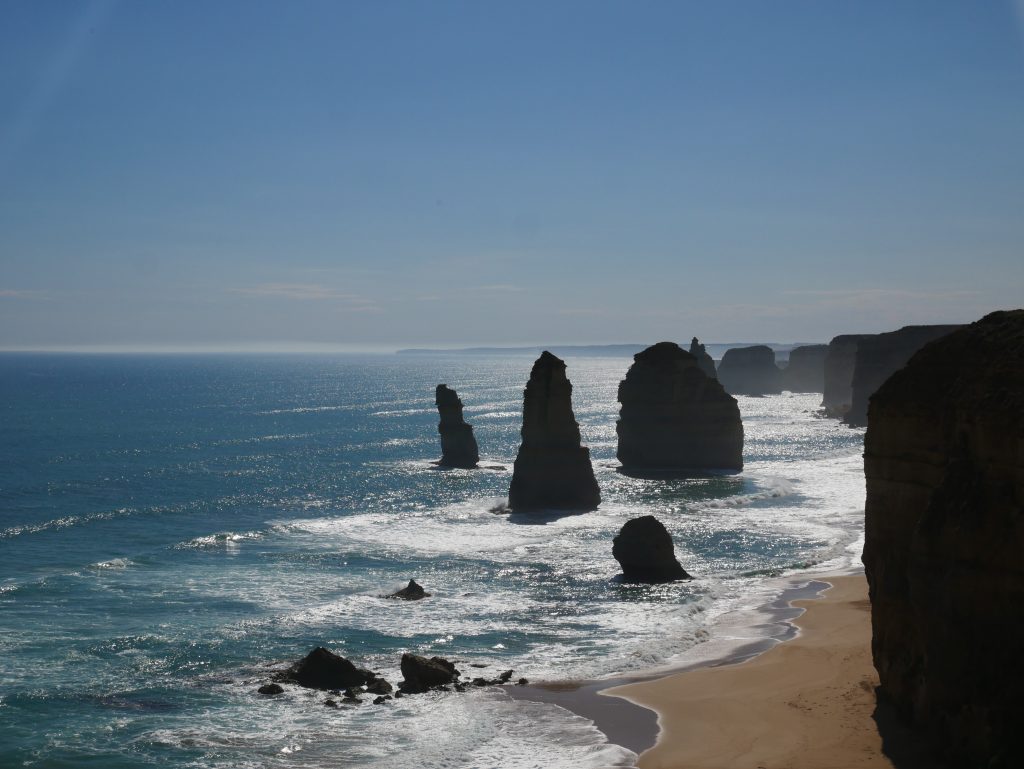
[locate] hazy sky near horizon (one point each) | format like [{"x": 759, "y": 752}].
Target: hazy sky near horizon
[{"x": 366, "y": 174}]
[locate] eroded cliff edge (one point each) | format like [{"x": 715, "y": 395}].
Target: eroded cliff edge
[{"x": 944, "y": 548}]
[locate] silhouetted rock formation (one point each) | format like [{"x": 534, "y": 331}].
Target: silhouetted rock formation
[
  {"x": 321, "y": 669},
  {"x": 944, "y": 548},
  {"x": 411, "y": 592},
  {"x": 750, "y": 371},
  {"x": 458, "y": 446},
  {"x": 806, "y": 370},
  {"x": 704, "y": 360},
  {"x": 552, "y": 470},
  {"x": 839, "y": 364},
  {"x": 674, "y": 417},
  {"x": 881, "y": 355},
  {"x": 645, "y": 551},
  {"x": 421, "y": 674}
]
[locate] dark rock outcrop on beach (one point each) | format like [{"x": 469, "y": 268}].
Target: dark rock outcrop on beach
[
  {"x": 839, "y": 364},
  {"x": 422, "y": 674},
  {"x": 552, "y": 470},
  {"x": 944, "y": 547},
  {"x": 750, "y": 371},
  {"x": 704, "y": 360},
  {"x": 806, "y": 370},
  {"x": 674, "y": 417},
  {"x": 411, "y": 592},
  {"x": 458, "y": 446},
  {"x": 322, "y": 669},
  {"x": 879, "y": 357},
  {"x": 645, "y": 551}
]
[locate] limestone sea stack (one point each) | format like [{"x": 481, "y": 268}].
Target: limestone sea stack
[
  {"x": 458, "y": 446},
  {"x": 879, "y": 356},
  {"x": 645, "y": 551},
  {"x": 552, "y": 470},
  {"x": 944, "y": 547},
  {"x": 806, "y": 370},
  {"x": 839, "y": 363},
  {"x": 674, "y": 417},
  {"x": 750, "y": 371},
  {"x": 704, "y": 359}
]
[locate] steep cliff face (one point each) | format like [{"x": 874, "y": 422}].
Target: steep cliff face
[
  {"x": 704, "y": 359},
  {"x": 750, "y": 371},
  {"x": 674, "y": 417},
  {"x": 458, "y": 446},
  {"x": 806, "y": 370},
  {"x": 879, "y": 356},
  {"x": 839, "y": 364},
  {"x": 944, "y": 548},
  {"x": 552, "y": 470}
]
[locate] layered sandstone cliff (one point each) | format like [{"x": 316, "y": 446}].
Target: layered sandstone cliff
[
  {"x": 839, "y": 364},
  {"x": 704, "y": 359},
  {"x": 458, "y": 446},
  {"x": 750, "y": 371},
  {"x": 552, "y": 470},
  {"x": 878, "y": 357},
  {"x": 806, "y": 370},
  {"x": 674, "y": 417},
  {"x": 944, "y": 548}
]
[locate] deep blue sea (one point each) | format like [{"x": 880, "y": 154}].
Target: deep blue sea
[{"x": 174, "y": 527}]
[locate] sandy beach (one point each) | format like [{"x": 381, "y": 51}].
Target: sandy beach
[{"x": 808, "y": 703}]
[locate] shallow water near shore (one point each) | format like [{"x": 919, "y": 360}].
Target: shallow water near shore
[{"x": 171, "y": 526}]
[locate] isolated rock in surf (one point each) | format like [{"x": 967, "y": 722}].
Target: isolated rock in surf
[
  {"x": 645, "y": 551},
  {"x": 322, "y": 669},
  {"x": 674, "y": 417},
  {"x": 839, "y": 364},
  {"x": 411, "y": 592},
  {"x": 552, "y": 470},
  {"x": 944, "y": 540},
  {"x": 750, "y": 371},
  {"x": 704, "y": 360},
  {"x": 422, "y": 674},
  {"x": 458, "y": 446}
]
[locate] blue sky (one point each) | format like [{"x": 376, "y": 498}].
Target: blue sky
[{"x": 246, "y": 175}]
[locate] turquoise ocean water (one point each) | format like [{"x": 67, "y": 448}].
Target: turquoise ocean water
[{"x": 173, "y": 527}]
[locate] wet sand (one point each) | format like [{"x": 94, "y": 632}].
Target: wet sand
[{"x": 807, "y": 703}]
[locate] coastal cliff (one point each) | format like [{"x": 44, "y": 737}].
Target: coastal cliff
[
  {"x": 458, "y": 446},
  {"x": 806, "y": 370},
  {"x": 878, "y": 357},
  {"x": 552, "y": 470},
  {"x": 750, "y": 371},
  {"x": 839, "y": 364},
  {"x": 674, "y": 417},
  {"x": 944, "y": 548}
]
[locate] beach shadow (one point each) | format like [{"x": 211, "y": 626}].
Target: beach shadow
[{"x": 903, "y": 746}]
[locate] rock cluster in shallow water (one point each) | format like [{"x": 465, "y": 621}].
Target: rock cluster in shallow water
[
  {"x": 674, "y": 417},
  {"x": 944, "y": 540},
  {"x": 552, "y": 470}
]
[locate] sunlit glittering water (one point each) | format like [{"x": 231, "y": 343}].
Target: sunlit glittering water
[{"x": 171, "y": 525}]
